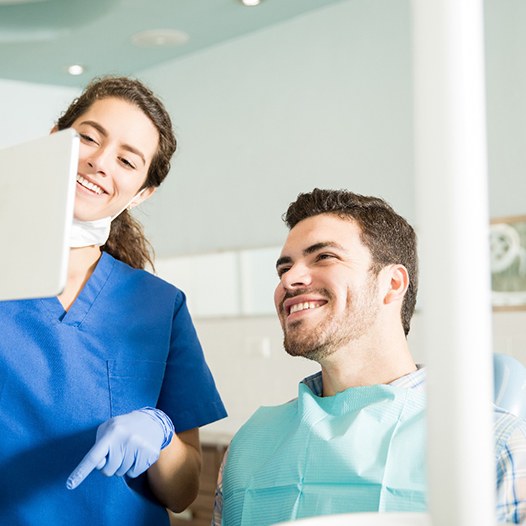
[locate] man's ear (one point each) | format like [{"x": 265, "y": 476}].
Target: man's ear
[
  {"x": 398, "y": 284},
  {"x": 146, "y": 193},
  {"x": 54, "y": 129}
]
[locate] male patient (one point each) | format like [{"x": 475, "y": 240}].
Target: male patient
[{"x": 354, "y": 439}]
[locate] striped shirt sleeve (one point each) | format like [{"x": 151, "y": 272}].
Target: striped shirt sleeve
[
  {"x": 218, "y": 501},
  {"x": 511, "y": 477}
]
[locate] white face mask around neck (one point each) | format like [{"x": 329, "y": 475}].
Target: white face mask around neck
[
  {"x": 88, "y": 233},
  {"x": 97, "y": 232}
]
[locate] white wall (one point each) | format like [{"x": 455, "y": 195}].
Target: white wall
[
  {"x": 242, "y": 339},
  {"x": 30, "y": 110},
  {"x": 251, "y": 368}
]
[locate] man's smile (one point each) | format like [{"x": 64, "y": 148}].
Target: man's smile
[{"x": 301, "y": 303}]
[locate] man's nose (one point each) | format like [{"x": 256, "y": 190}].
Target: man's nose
[{"x": 297, "y": 276}]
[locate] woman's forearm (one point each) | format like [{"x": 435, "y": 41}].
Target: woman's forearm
[{"x": 174, "y": 478}]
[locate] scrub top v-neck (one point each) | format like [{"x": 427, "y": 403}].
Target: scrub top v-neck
[
  {"x": 86, "y": 298},
  {"x": 126, "y": 342}
]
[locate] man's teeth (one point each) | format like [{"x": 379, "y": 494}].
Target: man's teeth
[
  {"x": 90, "y": 186},
  {"x": 303, "y": 306}
]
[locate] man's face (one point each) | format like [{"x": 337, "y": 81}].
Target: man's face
[{"x": 327, "y": 296}]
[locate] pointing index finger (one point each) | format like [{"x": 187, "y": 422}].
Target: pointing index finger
[{"x": 94, "y": 458}]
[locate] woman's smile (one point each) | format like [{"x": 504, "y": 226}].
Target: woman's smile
[{"x": 89, "y": 186}]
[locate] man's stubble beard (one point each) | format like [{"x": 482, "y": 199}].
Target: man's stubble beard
[{"x": 335, "y": 331}]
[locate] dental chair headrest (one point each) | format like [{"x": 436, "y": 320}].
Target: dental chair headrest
[{"x": 509, "y": 384}]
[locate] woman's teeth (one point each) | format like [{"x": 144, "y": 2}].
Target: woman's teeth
[{"x": 90, "y": 186}]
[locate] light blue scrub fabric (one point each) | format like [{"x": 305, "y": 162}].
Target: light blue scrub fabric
[
  {"x": 360, "y": 450},
  {"x": 127, "y": 342}
]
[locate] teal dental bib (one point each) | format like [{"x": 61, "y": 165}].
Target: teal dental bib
[{"x": 358, "y": 451}]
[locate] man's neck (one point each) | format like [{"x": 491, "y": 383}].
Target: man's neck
[{"x": 354, "y": 366}]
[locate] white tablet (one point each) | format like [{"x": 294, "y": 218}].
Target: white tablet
[{"x": 37, "y": 192}]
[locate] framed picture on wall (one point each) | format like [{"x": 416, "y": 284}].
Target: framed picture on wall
[{"x": 508, "y": 262}]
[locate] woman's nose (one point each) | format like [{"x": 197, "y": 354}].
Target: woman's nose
[{"x": 97, "y": 161}]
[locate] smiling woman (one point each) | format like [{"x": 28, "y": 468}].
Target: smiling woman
[
  {"x": 117, "y": 145},
  {"x": 97, "y": 379},
  {"x": 113, "y": 116}
]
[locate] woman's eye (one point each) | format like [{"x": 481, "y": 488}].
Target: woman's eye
[
  {"x": 87, "y": 138},
  {"x": 127, "y": 163}
]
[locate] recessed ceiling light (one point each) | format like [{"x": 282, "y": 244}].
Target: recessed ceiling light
[
  {"x": 159, "y": 38},
  {"x": 250, "y": 3},
  {"x": 75, "y": 69}
]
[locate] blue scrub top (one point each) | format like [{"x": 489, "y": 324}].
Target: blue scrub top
[{"x": 127, "y": 342}]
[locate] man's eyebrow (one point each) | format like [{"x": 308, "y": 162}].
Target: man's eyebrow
[
  {"x": 310, "y": 250},
  {"x": 127, "y": 147},
  {"x": 282, "y": 260},
  {"x": 320, "y": 246}
]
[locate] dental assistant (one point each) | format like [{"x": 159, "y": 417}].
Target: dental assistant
[{"x": 103, "y": 388}]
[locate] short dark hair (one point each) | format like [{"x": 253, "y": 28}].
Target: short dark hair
[{"x": 388, "y": 236}]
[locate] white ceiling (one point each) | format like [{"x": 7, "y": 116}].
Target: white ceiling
[{"x": 39, "y": 39}]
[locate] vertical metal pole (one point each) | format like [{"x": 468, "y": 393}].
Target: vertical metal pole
[{"x": 452, "y": 211}]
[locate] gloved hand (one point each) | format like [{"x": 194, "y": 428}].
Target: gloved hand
[{"x": 126, "y": 445}]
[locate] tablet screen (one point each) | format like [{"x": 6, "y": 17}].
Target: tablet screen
[{"x": 37, "y": 192}]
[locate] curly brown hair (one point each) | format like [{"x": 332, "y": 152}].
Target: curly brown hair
[
  {"x": 127, "y": 241},
  {"x": 389, "y": 237}
]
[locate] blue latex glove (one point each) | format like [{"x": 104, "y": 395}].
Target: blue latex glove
[{"x": 126, "y": 445}]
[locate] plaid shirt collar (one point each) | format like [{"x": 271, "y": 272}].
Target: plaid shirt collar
[{"x": 413, "y": 380}]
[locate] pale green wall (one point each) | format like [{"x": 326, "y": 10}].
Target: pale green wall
[
  {"x": 322, "y": 100},
  {"x": 506, "y": 101}
]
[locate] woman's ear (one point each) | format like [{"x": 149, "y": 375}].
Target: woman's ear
[
  {"x": 144, "y": 194},
  {"x": 398, "y": 285}
]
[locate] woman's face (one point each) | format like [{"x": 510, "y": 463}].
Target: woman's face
[{"x": 117, "y": 145}]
